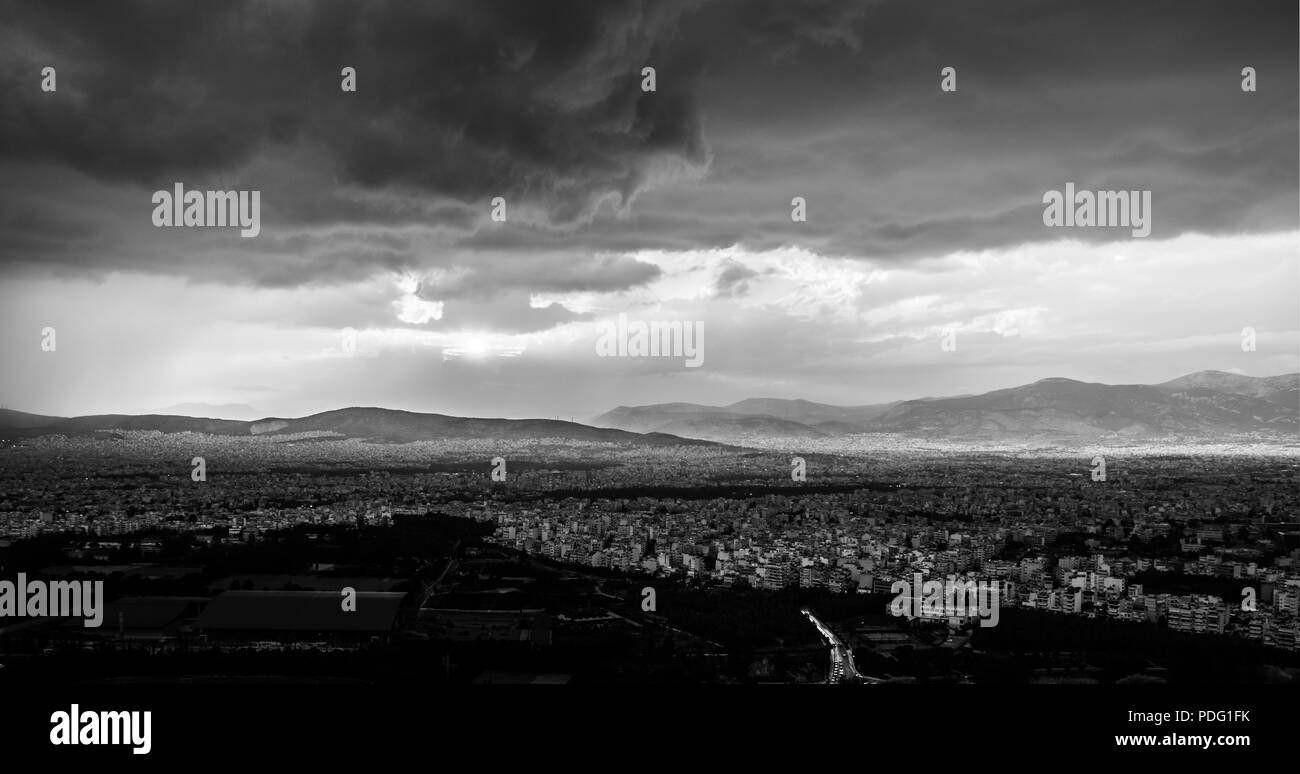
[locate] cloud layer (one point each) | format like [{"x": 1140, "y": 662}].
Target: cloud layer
[{"x": 924, "y": 207}]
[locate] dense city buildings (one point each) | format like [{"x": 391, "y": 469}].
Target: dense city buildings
[{"x": 1206, "y": 546}]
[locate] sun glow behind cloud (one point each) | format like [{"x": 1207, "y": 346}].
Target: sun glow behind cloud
[{"x": 787, "y": 320}]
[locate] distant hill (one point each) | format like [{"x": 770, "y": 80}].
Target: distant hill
[
  {"x": 808, "y": 412},
  {"x": 19, "y": 420},
  {"x": 1283, "y": 389},
  {"x": 240, "y": 411},
  {"x": 1205, "y": 404},
  {"x": 1068, "y": 408},
  {"x": 744, "y": 420},
  {"x": 404, "y": 426},
  {"x": 720, "y": 425},
  {"x": 373, "y": 424}
]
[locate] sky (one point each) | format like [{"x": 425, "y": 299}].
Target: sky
[{"x": 380, "y": 278}]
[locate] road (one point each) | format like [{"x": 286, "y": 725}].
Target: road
[
  {"x": 842, "y": 667},
  {"x": 431, "y": 587}
]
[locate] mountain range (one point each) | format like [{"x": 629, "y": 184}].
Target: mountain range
[
  {"x": 1206, "y": 404},
  {"x": 373, "y": 424},
  {"x": 1203, "y": 405}
]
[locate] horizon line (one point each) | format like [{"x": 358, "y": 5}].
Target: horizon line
[{"x": 5, "y": 407}]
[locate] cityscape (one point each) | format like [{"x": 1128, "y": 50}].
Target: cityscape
[
  {"x": 891, "y": 360},
  {"x": 548, "y": 546}
]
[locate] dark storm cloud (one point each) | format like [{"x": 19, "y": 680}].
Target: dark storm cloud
[
  {"x": 536, "y": 101},
  {"x": 839, "y": 102},
  {"x": 1105, "y": 95},
  {"x": 783, "y": 28},
  {"x": 539, "y": 102}
]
